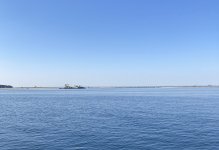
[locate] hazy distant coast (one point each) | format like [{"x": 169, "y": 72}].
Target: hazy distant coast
[
  {"x": 189, "y": 86},
  {"x": 6, "y": 86}
]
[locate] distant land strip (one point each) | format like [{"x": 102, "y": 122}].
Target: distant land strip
[{"x": 186, "y": 86}]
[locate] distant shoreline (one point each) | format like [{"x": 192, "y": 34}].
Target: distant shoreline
[{"x": 209, "y": 86}]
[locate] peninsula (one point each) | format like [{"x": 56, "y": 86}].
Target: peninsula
[{"x": 6, "y": 86}]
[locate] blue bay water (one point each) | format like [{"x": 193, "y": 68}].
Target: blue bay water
[{"x": 110, "y": 119}]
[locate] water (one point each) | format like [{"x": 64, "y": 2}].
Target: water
[{"x": 110, "y": 119}]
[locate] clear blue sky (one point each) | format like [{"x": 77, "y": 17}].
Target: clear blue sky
[{"x": 109, "y": 42}]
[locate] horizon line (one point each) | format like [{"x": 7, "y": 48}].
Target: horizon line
[{"x": 150, "y": 86}]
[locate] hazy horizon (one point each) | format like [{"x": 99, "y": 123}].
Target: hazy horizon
[{"x": 109, "y": 43}]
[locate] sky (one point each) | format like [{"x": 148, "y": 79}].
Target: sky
[{"x": 109, "y": 42}]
